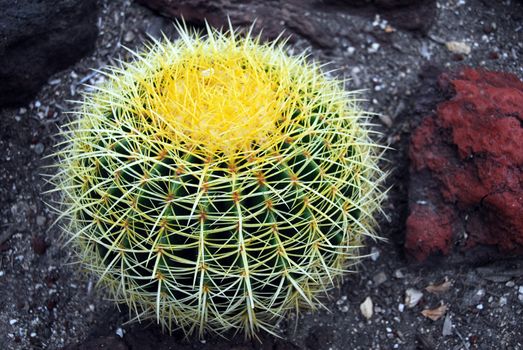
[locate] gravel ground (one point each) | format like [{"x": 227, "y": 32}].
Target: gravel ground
[{"x": 46, "y": 301}]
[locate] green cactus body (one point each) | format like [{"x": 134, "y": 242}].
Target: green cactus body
[{"x": 216, "y": 183}]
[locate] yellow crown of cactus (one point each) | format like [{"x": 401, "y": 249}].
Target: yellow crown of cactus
[{"x": 216, "y": 182}]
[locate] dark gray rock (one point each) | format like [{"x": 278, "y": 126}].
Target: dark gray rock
[
  {"x": 313, "y": 20},
  {"x": 411, "y": 15},
  {"x": 39, "y": 38},
  {"x": 217, "y": 13}
]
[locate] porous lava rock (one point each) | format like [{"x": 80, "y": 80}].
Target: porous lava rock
[
  {"x": 466, "y": 169},
  {"x": 38, "y": 39},
  {"x": 272, "y": 17}
]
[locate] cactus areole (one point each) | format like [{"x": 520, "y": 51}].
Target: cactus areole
[{"x": 216, "y": 182}]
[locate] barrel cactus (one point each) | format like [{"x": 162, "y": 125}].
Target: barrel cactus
[{"x": 216, "y": 182}]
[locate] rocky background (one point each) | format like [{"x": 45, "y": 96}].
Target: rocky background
[{"x": 450, "y": 273}]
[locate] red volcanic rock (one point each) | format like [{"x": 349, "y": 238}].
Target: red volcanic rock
[
  {"x": 467, "y": 160},
  {"x": 433, "y": 228}
]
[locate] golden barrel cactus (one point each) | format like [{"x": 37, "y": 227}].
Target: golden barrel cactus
[{"x": 216, "y": 182}]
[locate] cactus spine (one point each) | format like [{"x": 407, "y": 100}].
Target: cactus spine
[{"x": 216, "y": 182}]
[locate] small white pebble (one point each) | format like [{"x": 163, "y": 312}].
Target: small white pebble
[
  {"x": 91, "y": 307},
  {"x": 458, "y": 47},
  {"x": 374, "y": 47},
  {"x": 2, "y": 273},
  {"x": 503, "y": 301},
  {"x": 389, "y": 330},
  {"x": 401, "y": 307},
  {"x": 412, "y": 297},
  {"x": 374, "y": 253},
  {"x": 55, "y": 81},
  {"x": 12, "y": 322},
  {"x": 38, "y": 104},
  {"x": 447, "y": 326},
  {"x": 520, "y": 290},
  {"x": 510, "y": 284},
  {"x": 129, "y": 36},
  {"x": 120, "y": 332},
  {"x": 376, "y": 21},
  {"x": 399, "y": 274},
  {"x": 479, "y": 306},
  {"x": 367, "y": 308},
  {"x": 341, "y": 300},
  {"x": 33, "y": 334}
]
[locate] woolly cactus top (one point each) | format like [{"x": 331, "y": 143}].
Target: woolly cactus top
[
  {"x": 216, "y": 182},
  {"x": 222, "y": 94}
]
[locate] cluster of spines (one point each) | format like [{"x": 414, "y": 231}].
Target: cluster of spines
[{"x": 218, "y": 240}]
